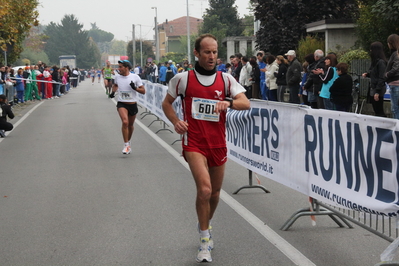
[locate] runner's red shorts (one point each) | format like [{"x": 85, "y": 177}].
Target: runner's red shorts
[{"x": 214, "y": 157}]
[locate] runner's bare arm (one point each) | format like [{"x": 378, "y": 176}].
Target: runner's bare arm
[
  {"x": 180, "y": 126},
  {"x": 240, "y": 102}
]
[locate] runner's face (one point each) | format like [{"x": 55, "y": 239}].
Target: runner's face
[
  {"x": 123, "y": 70},
  {"x": 208, "y": 53}
]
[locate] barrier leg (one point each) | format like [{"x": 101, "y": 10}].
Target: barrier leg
[
  {"x": 317, "y": 211},
  {"x": 250, "y": 185},
  {"x": 145, "y": 113},
  {"x": 164, "y": 128},
  {"x": 181, "y": 137}
]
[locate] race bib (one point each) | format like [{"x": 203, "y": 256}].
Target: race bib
[
  {"x": 204, "y": 109},
  {"x": 126, "y": 95}
]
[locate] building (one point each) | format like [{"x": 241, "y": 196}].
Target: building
[
  {"x": 169, "y": 34},
  {"x": 239, "y": 44},
  {"x": 339, "y": 34}
]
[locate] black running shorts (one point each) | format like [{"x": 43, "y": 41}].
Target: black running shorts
[{"x": 131, "y": 108}]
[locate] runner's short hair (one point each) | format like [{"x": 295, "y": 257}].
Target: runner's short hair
[{"x": 197, "y": 45}]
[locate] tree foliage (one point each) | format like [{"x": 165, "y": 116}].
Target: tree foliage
[
  {"x": 227, "y": 16},
  {"x": 69, "y": 38},
  {"x": 283, "y": 23},
  {"x": 16, "y": 18},
  {"x": 221, "y": 19},
  {"x": 372, "y": 25},
  {"x": 99, "y": 35},
  {"x": 388, "y": 9},
  {"x": 147, "y": 51},
  {"x": 31, "y": 56}
]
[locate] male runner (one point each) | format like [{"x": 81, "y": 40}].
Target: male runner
[
  {"x": 92, "y": 75},
  {"x": 204, "y": 91},
  {"x": 128, "y": 85},
  {"x": 98, "y": 75},
  {"x": 107, "y": 74}
]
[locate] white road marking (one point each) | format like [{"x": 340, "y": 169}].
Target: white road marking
[{"x": 23, "y": 118}]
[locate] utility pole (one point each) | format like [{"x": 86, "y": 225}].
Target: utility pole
[
  {"x": 134, "y": 47},
  {"x": 156, "y": 35},
  {"x": 188, "y": 36}
]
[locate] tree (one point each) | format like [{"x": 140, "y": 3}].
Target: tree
[
  {"x": 221, "y": 19},
  {"x": 183, "y": 47},
  {"x": 248, "y": 23},
  {"x": 388, "y": 9},
  {"x": 282, "y": 23},
  {"x": 147, "y": 51},
  {"x": 118, "y": 47},
  {"x": 100, "y": 35},
  {"x": 227, "y": 16},
  {"x": 372, "y": 25},
  {"x": 69, "y": 38},
  {"x": 16, "y": 18}
]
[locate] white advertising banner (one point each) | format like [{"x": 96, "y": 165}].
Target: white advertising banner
[
  {"x": 152, "y": 100},
  {"x": 343, "y": 159}
]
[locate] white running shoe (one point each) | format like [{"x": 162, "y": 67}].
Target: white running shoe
[
  {"x": 210, "y": 235},
  {"x": 204, "y": 251},
  {"x": 126, "y": 149}
]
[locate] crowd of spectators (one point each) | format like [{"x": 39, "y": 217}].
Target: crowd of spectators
[{"x": 22, "y": 85}]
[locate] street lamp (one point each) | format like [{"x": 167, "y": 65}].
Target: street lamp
[{"x": 156, "y": 34}]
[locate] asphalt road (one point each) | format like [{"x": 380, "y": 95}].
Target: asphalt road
[{"x": 68, "y": 196}]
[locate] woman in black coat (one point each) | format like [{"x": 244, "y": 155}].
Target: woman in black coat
[
  {"x": 255, "y": 78},
  {"x": 377, "y": 81},
  {"x": 341, "y": 89}
]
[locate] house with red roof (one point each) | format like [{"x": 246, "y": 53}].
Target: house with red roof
[{"x": 171, "y": 31}]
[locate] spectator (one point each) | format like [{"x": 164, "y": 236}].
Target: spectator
[
  {"x": 262, "y": 69},
  {"x": 328, "y": 76},
  {"x": 220, "y": 66},
  {"x": 392, "y": 73},
  {"x": 245, "y": 76},
  {"x": 28, "y": 83},
  {"x": 162, "y": 73},
  {"x": 20, "y": 86},
  {"x": 233, "y": 63},
  {"x": 228, "y": 68},
  {"x": 55, "y": 75},
  {"x": 314, "y": 83},
  {"x": 180, "y": 69},
  {"x": 341, "y": 89},
  {"x": 255, "y": 77},
  {"x": 271, "y": 70},
  {"x": 2, "y": 79},
  {"x": 154, "y": 72},
  {"x": 5, "y": 110},
  {"x": 34, "y": 72},
  {"x": 48, "y": 85},
  {"x": 74, "y": 77},
  {"x": 173, "y": 67},
  {"x": 281, "y": 81},
  {"x": 376, "y": 74},
  {"x": 238, "y": 67},
  {"x": 169, "y": 73},
  {"x": 10, "y": 89},
  {"x": 293, "y": 76}
]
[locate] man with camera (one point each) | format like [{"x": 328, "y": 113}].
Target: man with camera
[
  {"x": 128, "y": 85},
  {"x": 5, "y": 110}
]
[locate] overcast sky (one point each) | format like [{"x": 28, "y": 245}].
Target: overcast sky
[{"x": 117, "y": 16}]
